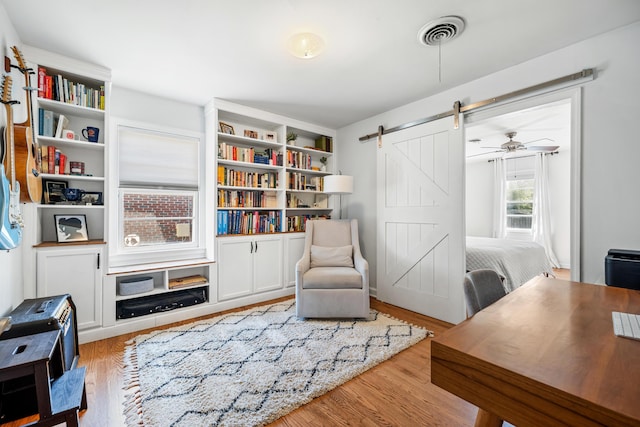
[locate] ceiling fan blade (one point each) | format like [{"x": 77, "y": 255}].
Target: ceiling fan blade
[
  {"x": 484, "y": 154},
  {"x": 545, "y": 148},
  {"x": 541, "y": 139}
]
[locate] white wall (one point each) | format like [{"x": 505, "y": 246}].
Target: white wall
[
  {"x": 610, "y": 152},
  {"x": 11, "y": 280},
  {"x": 142, "y": 107},
  {"x": 479, "y": 199},
  {"x": 560, "y": 202}
]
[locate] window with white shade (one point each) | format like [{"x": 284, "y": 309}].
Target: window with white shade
[
  {"x": 519, "y": 194},
  {"x": 159, "y": 202},
  {"x": 157, "y": 159}
]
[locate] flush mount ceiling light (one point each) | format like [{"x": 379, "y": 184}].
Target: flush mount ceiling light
[{"x": 305, "y": 45}]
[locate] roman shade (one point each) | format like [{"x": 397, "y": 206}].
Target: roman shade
[{"x": 152, "y": 158}]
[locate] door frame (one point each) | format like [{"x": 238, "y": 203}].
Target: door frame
[{"x": 574, "y": 95}]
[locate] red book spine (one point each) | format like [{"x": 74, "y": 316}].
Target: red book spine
[
  {"x": 42, "y": 78},
  {"x": 52, "y": 158},
  {"x": 48, "y": 87},
  {"x": 63, "y": 163}
]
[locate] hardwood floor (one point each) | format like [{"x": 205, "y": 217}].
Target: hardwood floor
[
  {"x": 562, "y": 273},
  {"x": 397, "y": 392}
]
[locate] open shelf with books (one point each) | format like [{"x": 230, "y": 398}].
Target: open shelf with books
[
  {"x": 249, "y": 174},
  {"x": 70, "y": 116},
  {"x": 270, "y": 168}
]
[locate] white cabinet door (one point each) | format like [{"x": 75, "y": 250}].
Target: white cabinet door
[
  {"x": 267, "y": 263},
  {"x": 293, "y": 249},
  {"x": 77, "y": 271},
  {"x": 235, "y": 267},
  {"x": 249, "y": 264}
]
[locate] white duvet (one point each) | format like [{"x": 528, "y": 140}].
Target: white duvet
[{"x": 516, "y": 260}]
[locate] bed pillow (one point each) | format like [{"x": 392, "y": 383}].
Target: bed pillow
[{"x": 325, "y": 256}]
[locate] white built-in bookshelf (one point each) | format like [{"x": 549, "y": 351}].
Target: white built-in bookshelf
[{"x": 266, "y": 182}]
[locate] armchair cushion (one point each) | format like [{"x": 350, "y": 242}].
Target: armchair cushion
[
  {"x": 332, "y": 278},
  {"x": 325, "y": 256}
]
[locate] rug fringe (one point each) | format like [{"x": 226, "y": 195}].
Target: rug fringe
[
  {"x": 430, "y": 333},
  {"x": 131, "y": 379}
]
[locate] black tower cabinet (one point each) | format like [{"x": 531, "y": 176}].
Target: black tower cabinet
[
  {"x": 17, "y": 397},
  {"x": 622, "y": 268}
]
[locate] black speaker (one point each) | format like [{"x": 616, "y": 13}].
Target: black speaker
[{"x": 622, "y": 268}]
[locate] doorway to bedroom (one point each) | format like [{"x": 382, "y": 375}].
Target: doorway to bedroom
[{"x": 521, "y": 143}]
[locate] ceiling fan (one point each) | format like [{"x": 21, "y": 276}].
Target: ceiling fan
[{"x": 512, "y": 146}]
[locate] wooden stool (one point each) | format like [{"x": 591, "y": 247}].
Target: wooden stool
[{"x": 58, "y": 401}]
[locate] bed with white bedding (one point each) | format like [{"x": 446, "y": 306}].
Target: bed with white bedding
[{"x": 518, "y": 261}]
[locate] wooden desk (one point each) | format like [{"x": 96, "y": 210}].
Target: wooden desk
[{"x": 545, "y": 355}]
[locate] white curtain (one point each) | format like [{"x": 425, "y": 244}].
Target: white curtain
[
  {"x": 499, "y": 205},
  {"x": 541, "y": 227}
]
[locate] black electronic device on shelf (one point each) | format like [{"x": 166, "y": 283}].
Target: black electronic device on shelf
[
  {"x": 142, "y": 306},
  {"x": 622, "y": 268}
]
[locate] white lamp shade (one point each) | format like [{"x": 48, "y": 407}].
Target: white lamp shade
[{"x": 338, "y": 184}]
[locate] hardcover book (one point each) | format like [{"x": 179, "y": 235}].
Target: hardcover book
[{"x": 63, "y": 123}]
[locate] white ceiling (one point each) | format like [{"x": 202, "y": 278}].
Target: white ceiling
[{"x": 194, "y": 50}]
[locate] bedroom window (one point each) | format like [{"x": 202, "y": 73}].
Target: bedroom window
[
  {"x": 519, "y": 204},
  {"x": 519, "y": 194}
]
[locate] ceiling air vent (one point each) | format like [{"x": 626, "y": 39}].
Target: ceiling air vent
[{"x": 441, "y": 30}]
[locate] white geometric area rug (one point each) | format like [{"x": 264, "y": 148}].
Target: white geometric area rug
[{"x": 251, "y": 367}]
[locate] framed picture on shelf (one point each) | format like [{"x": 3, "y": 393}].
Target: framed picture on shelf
[
  {"x": 54, "y": 191},
  {"x": 71, "y": 228},
  {"x": 92, "y": 198},
  {"x": 251, "y": 134},
  {"x": 226, "y": 128},
  {"x": 271, "y": 136}
]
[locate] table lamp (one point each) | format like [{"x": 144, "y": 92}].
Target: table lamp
[{"x": 338, "y": 184}]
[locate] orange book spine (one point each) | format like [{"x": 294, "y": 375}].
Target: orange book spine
[
  {"x": 52, "y": 158},
  {"x": 63, "y": 163}
]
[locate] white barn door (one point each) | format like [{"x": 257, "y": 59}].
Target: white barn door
[{"x": 421, "y": 245}]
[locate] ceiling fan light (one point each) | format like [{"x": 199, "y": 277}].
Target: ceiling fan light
[{"x": 305, "y": 45}]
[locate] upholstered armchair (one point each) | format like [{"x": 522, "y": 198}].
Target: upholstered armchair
[{"x": 332, "y": 277}]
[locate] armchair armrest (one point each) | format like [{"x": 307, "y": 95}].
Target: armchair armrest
[
  {"x": 362, "y": 266},
  {"x": 302, "y": 266}
]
